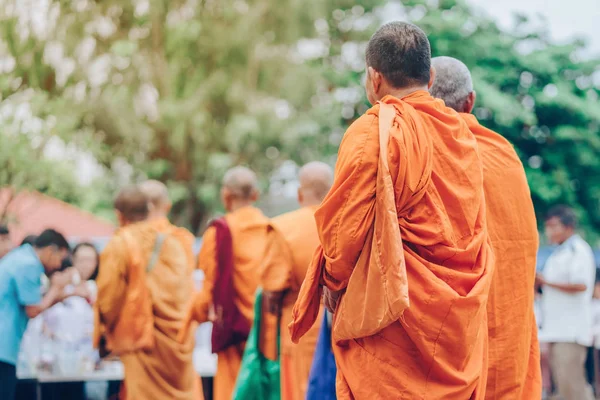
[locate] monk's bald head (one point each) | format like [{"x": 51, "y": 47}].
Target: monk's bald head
[
  {"x": 240, "y": 187},
  {"x": 158, "y": 196},
  {"x": 315, "y": 179},
  {"x": 131, "y": 205},
  {"x": 453, "y": 84},
  {"x": 401, "y": 53}
]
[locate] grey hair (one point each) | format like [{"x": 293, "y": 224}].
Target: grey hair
[{"x": 452, "y": 83}]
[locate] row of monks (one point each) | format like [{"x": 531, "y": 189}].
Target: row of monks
[{"x": 422, "y": 242}]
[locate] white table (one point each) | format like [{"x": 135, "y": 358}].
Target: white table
[{"x": 205, "y": 364}]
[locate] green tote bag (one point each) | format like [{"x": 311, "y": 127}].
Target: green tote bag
[{"x": 259, "y": 377}]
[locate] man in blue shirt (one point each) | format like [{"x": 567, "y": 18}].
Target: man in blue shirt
[
  {"x": 21, "y": 296},
  {"x": 5, "y": 242}
]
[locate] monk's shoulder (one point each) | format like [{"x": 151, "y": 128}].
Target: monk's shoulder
[
  {"x": 292, "y": 220},
  {"x": 495, "y": 148},
  {"x": 123, "y": 240},
  {"x": 174, "y": 245},
  {"x": 115, "y": 244},
  {"x": 360, "y": 129},
  {"x": 247, "y": 218},
  {"x": 184, "y": 235}
]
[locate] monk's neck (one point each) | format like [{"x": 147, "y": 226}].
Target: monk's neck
[
  {"x": 311, "y": 203},
  {"x": 403, "y": 92},
  {"x": 158, "y": 217},
  {"x": 239, "y": 205}
]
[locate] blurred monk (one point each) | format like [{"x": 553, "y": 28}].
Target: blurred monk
[
  {"x": 514, "y": 354},
  {"x": 160, "y": 206},
  {"x": 405, "y": 259},
  {"x": 232, "y": 251},
  {"x": 292, "y": 240},
  {"x": 143, "y": 292}
]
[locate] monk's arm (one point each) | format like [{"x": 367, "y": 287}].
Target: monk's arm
[
  {"x": 348, "y": 211},
  {"x": 208, "y": 264},
  {"x": 111, "y": 281},
  {"x": 276, "y": 271}
]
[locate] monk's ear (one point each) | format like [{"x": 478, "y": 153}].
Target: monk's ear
[
  {"x": 300, "y": 196},
  {"x": 431, "y": 77},
  {"x": 121, "y": 218},
  {"x": 226, "y": 198},
  {"x": 470, "y": 103},
  {"x": 254, "y": 196},
  {"x": 376, "y": 78}
]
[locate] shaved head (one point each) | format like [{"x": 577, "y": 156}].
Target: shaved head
[
  {"x": 452, "y": 83},
  {"x": 131, "y": 204},
  {"x": 315, "y": 179},
  {"x": 241, "y": 181},
  {"x": 240, "y": 188},
  {"x": 158, "y": 196},
  {"x": 401, "y": 53}
]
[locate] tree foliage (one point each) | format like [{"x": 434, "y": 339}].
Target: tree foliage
[{"x": 182, "y": 90}]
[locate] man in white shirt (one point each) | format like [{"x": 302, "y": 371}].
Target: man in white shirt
[{"x": 568, "y": 284}]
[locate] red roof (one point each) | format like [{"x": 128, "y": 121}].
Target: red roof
[{"x": 29, "y": 213}]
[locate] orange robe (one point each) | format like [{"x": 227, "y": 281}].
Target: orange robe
[
  {"x": 514, "y": 353},
  {"x": 437, "y": 349},
  {"x": 166, "y": 371},
  {"x": 248, "y": 228},
  {"x": 292, "y": 239},
  {"x": 184, "y": 236}
]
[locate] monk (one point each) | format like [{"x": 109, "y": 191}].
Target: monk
[
  {"x": 292, "y": 239},
  {"x": 405, "y": 259},
  {"x": 514, "y": 354},
  {"x": 143, "y": 292},
  {"x": 242, "y": 236},
  {"x": 160, "y": 206}
]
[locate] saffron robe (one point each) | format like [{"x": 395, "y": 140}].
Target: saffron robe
[
  {"x": 166, "y": 370},
  {"x": 514, "y": 370},
  {"x": 292, "y": 239},
  {"x": 437, "y": 347}
]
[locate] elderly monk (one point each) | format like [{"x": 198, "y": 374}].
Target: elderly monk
[
  {"x": 231, "y": 254},
  {"x": 514, "y": 354},
  {"x": 292, "y": 239},
  {"x": 160, "y": 206},
  {"x": 143, "y": 292},
  {"x": 405, "y": 258}
]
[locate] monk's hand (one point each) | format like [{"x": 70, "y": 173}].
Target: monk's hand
[
  {"x": 331, "y": 299},
  {"x": 272, "y": 302}
]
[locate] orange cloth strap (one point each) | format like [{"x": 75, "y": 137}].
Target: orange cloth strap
[{"x": 377, "y": 292}]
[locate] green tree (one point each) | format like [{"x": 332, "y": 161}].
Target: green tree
[
  {"x": 540, "y": 95},
  {"x": 182, "y": 90}
]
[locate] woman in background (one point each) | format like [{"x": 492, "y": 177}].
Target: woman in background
[
  {"x": 70, "y": 323},
  {"x": 65, "y": 330}
]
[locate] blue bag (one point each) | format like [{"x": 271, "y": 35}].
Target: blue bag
[{"x": 321, "y": 383}]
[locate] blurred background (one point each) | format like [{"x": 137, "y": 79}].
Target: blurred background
[{"x": 95, "y": 94}]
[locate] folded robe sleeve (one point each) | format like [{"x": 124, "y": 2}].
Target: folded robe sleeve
[
  {"x": 112, "y": 281},
  {"x": 344, "y": 217},
  {"x": 276, "y": 270}
]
